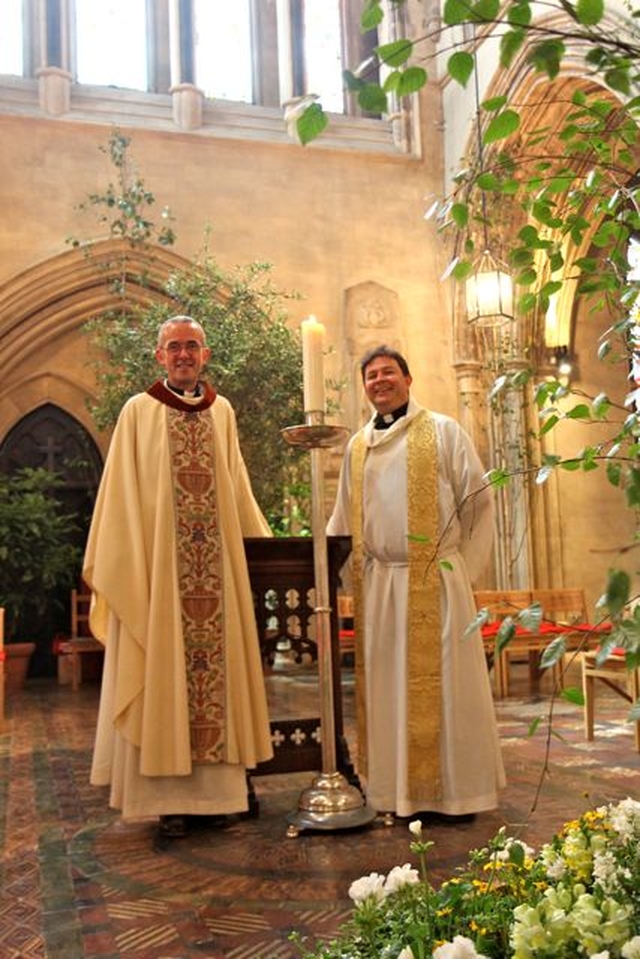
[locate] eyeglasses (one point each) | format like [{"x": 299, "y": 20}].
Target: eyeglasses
[{"x": 175, "y": 347}]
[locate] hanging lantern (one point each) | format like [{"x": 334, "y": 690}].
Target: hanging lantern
[{"x": 489, "y": 292}]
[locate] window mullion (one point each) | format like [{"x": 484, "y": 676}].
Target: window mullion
[
  {"x": 285, "y": 50},
  {"x": 54, "y": 21},
  {"x": 264, "y": 44},
  {"x": 181, "y": 42}
]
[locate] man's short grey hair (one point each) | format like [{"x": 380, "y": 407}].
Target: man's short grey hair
[{"x": 181, "y": 318}]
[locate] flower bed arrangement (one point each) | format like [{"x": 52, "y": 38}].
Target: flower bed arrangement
[{"x": 578, "y": 897}]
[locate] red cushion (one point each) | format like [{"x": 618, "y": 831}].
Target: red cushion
[{"x": 551, "y": 629}]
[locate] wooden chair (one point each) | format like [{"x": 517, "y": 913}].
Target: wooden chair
[
  {"x": 567, "y": 607},
  {"x": 346, "y": 633},
  {"x": 500, "y": 604},
  {"x": 561, "y": 610},
  {"x": 615, "y": 675},
  {"x": 81, "y": 641}
]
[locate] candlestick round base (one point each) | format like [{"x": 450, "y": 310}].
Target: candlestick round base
[
  {"x": 330, "y": 803},
  {"x": 322, "y": 436}
]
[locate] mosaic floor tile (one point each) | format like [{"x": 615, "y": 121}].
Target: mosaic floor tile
[{"x": 77, "y": 882}]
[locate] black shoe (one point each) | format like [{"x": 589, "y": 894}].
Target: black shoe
[
  {"x": 168, "y": 829},
  {"x": 443, "y": 819},
  {"x": 173, "y": 827},
  {"x": 208, "y": 822}
]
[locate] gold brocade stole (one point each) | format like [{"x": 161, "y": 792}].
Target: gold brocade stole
[
  {"x": 424, "y": 666},
  {"x": 198, "y": 547}
]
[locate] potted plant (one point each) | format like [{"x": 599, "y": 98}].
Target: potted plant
[{"x": 38, "y": 559}]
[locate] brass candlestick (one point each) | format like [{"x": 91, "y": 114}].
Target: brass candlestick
[{"x": 330, "y": 802}]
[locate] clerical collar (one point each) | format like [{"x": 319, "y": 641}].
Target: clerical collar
[
  {"x": 384, "y": 420},
  {"x": 176, "y": 389}
]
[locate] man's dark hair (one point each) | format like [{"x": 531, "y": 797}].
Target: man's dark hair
[{"x": 384, "y": 350}]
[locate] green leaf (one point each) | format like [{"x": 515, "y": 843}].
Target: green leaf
[
  {"x": 392, "y": 82},
  {"x": 486, "y": 10},
  {"x": 618, "y": 79},
  {"x": 573, "y": 695},
  {"x": 519, "y": 14},
  {"x": 510, "y": 187},
  {"x": 351, "y": 81},
  {"x": 371, "y": 16},
  {"x": 614, "y": 473},
  {"x": 533, "y": 726},
  {"x": 520, "y": 258},
  {"x": 547, "y": 56},
  {"x": 526, "y": 277},
  {"x": 531, "y": 617},
  {"x": 372, "y": 98},
  {"x": 505, "y": 633},
  {"x": 632, "y": 491},
  {"x": 616, "y": 594},
  {"x": 411, "y": 80},
  {"x": 498, "y": 478},
  {"x": 502, "y": 126},
  {"x": 396, "y": 53},
  {"x": 477, "y": 623},
  {"x": 460, "y": 67},
  {"x": 526, "y": 303},
  {"x": 488, "y": 181},
  {"x": 461, "y": 270},
  {"x": 455, "y": 11},
  {"x": 553, "y": 286},
  {"x": 494, "y": 103},
  {"x": 510, "y": 43},
  {"x": 460, "y": 214},
  {"x": 311, "y": 123},
  {"x": 579, "y": 412},
  {"x": 589, "y": 12},
  {"x": 553, "y": 653}
]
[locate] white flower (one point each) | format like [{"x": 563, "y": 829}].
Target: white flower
[
  {"x": 503, "y": 855},
  {"x": 415, "y": 828},
  {"x": 407, "y": 953},
  {"x": 600, "y": 955},
  {"x": 625, "y": 818},
  {"x": 400, "y": 876},
  {"x": 605, "y": 869},
  {"x": 371, "y": 886},
  {"x": 460, "y": 948},
  {"x": 631, "y": 949}
]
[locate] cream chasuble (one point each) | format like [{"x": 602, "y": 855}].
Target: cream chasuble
[
  {"x": 421, "y": 535},
  {"x": 183, "y": 706}
]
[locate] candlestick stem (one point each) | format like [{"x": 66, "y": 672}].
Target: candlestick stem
[{"x": 330, "y": 802}]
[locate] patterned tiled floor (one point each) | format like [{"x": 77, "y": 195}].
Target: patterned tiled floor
[{"x": 76, "y": 882}]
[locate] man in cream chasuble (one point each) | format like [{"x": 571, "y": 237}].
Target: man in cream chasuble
[{"x": 183, "y": 708}]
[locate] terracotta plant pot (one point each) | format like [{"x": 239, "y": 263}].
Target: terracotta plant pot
[{"x": 16, "y": 666}]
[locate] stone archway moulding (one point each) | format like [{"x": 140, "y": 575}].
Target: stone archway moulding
[
  {"x": 45, "y": 307},
  {"x": 66, "y": 290}
]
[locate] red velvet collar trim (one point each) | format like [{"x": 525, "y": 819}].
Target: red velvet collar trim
[{"x": 164, "y": 395}]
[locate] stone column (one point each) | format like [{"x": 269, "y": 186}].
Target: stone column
[
  {"x": 187, "y": 99},
  {"x": 54, "y": 76}
]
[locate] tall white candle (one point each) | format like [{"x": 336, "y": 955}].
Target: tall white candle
[{"x": 313, "y": 364}]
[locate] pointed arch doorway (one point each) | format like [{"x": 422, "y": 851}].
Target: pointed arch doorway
[{"x": 52, "y": 439}]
